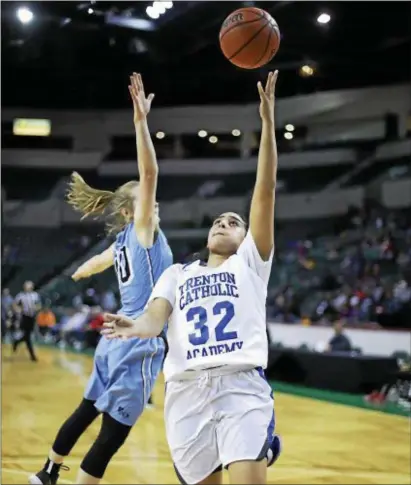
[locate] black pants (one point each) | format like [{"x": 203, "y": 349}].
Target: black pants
[{"x": 27, "y": 327}]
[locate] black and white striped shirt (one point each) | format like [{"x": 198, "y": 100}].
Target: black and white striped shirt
[{"x": 28, "y": 300}]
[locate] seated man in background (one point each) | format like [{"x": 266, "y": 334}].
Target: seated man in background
[
  {"x": 339, "y": 342},
  {"x": 45, "y": 320}
]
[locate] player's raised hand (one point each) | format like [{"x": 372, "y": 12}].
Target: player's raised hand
[
  {"x": 118, "y": 326},
  {"x": 267, "y": 97},
  {"x": 141, "y": 103}
]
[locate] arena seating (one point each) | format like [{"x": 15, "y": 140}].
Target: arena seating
[
  {"x": 37, "y": 254},
  {"x": 376, "y": 169}
]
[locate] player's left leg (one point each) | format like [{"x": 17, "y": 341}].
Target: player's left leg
[{"x": 111, "y": 437}]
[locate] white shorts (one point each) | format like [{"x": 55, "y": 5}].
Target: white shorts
[{"x": 213, "y": 421}]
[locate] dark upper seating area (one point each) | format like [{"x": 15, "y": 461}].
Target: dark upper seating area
[
  {"x": 36, "y": 142},
  {"x": 191, "y": 146},
  {"x": 378, "y": 168},
  {"x": 37, "y": 184},
  {"x": 40, "y": 253},
  {"x": 29, "y": 184}
]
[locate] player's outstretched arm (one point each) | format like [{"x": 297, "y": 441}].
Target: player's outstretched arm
[
  {"x": 148, "y": 325},
  {"x": 263, "y": 200},
  {"x": 96, "y": 264},
  {"x": 144, "y": 214}
]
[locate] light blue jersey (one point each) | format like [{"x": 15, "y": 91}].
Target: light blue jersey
[
  {"x": 138, "y": 269},
  {"x": 124, "y": 372}
]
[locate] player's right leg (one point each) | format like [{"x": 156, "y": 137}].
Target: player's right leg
[
  {"x": 66, "y": 438},
  {"x": 190, "y": 429},
  {"x": 77, "y": 423}
]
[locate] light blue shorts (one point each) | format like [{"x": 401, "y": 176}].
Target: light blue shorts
[{"x": 124, "y": 373}]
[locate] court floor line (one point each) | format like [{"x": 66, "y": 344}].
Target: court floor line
[
  {"x": 165, "y": 464},
  {"x": 27, "y": 474},
  {"x": 75, "y": 462}
]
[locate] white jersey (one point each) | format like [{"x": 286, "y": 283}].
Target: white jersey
[{"x": 219, "y": 314}]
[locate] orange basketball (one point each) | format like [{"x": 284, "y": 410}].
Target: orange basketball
[{"x": 249, "y": 37}]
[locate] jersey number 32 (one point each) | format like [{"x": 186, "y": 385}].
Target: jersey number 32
[{"x": 198, "y": 315}]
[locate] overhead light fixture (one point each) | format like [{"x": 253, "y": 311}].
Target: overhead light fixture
[
  {"x": 25, "y": 15},
  {"x": 202, "y": 133},
  {"x": 306, "y": 70},
  {"x": 152, "y": 12},
  {"x": 160, "y": 135},
  {"x": 323, "y": 18},
  {"x": 90, "y": 11},
  {"x": 288, "y": 135},
  {"x": 158, "y": 8},
  {"x": 289, "y": 127},
  {"x": 213, "y": 139},
  {"x": 236, "y": 132}
]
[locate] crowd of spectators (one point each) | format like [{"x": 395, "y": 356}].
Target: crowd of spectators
[
  {"x": 77, "y": 326},
  {"x": 360, "y": 281},
  {"x": 364, "y": 280}
]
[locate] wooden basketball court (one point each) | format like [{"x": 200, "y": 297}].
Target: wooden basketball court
[{"x": 323, "y": 442}]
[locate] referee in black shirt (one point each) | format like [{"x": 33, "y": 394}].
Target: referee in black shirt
[{"x": 28, "y": 303}]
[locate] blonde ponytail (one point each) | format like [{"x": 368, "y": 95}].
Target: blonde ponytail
[{"x": 85, "y": 199}]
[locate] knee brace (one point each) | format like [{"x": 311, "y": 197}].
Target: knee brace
[
  {"x": 111, "y": 437},
  {"x": 74, "y": 427}
]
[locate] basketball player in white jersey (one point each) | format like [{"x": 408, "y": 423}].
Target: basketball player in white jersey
[{"x": 218, "y": 405}]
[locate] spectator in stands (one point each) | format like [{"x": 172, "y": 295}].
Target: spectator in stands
[
  {"x": 339, "y": 342},
  {"x": 402, "y": 292},
  {"x": 46, "y": 320},
  {"x": 77, "y": 301},
  {"x": 108, "y": 301},
  {"x": 76, "y": 325},
  {"x": 92, "y": 336},
  {"x": 91, "y": 298},
  {"x": 6, "y": 311}
]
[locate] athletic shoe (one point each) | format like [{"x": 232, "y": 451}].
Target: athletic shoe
[
  {"x": 274, "y": 451},
  {"x": 44, "y": 478}
]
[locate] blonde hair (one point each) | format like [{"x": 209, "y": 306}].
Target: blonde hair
[{"x": 101, "y": 203}]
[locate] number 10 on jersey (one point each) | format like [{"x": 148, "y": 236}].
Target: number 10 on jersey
[{"x": 223, "y": 311}]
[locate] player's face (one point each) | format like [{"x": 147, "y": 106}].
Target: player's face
[{"x": 226, "y": 234}]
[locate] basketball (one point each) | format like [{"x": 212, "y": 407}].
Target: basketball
[{"x": 249, "y": 37}]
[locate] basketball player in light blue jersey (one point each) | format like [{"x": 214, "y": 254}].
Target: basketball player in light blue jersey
[{"x": 123, "y": 372}]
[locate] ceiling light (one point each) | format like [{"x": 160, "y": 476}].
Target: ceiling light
[
  {"x": 289, "y": 127},
  {"x": 236, "y": 132},
  {"x": 160, "y": 135},
  {"x": 306, "y": 70},
  {"x": 288, "y": 135},
  {"x": 152, "y": 12},
  {"x": 90, "y": 11},
  {"x": 25, "y": 15},
  {"x": 202, "y": 133},
  {"x": 213, "y": 139},
  {"x": 159, "y": 7},
  {"x": 324, "y": 18}
]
